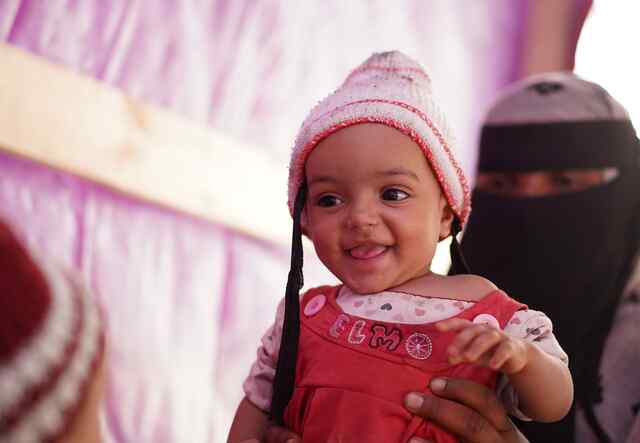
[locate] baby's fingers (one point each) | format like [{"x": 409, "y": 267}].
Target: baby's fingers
[
  {"x": 453, "y": 324},
  {"x": 461, "y": 343},
  {"x": 509, "y": 357},
  {"x": 482, "y": 345}
]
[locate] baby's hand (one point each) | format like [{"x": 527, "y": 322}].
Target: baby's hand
[{"x": 485, "y": 345}]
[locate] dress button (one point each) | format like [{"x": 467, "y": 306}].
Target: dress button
[
  {"x": 314, "y": 305},
  {"x": 487, "y": 319}
]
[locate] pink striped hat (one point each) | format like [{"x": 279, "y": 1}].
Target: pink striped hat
[
  {"x": 392, "y": 89},
  {"x": 50, "y": 344}
]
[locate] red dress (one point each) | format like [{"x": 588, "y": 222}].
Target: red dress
[{"x": 353, "y": 373}]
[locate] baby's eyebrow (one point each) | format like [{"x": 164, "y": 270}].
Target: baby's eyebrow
[
  {"x": 399, "y": 171},
  {"x": 385, "y": 173},
  {"x": 321, "y": 179}
]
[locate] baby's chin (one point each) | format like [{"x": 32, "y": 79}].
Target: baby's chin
[{"x": 360, "y": 287}]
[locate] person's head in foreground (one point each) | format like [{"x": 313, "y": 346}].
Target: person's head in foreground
[
  {"x": 556, "y": 223},
  {"x": 51, "y": 354}
]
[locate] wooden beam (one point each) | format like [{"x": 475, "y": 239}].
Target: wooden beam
[{"x": 72, "y": 122}]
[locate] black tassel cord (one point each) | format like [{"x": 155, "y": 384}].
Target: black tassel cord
[
  {"x": 455, "y": 250},
  {"x": 284, "y": 380}
]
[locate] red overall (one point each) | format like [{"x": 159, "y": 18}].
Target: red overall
[{"x": 353, "y": 373}]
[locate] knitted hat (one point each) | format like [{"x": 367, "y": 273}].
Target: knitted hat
[
  {"x": 551, "y": 111},
  {"x": 553, "y": 97},
  {"x": 392, "y": 89},
  {"x": 50, "y": 341}
]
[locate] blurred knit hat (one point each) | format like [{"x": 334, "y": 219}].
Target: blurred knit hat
[
  {"x": 392, "y": 89},
  {"x": 554, "y": 97},
  {"x": 50, "y": 343},
  {"x": 534, "y": 120}
]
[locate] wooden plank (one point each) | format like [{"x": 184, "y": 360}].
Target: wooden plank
[{"x": 72, "y": 122}]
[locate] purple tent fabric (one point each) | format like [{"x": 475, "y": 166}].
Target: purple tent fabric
[
  {"x": 187, "y": 300},
  {"x": 252, "y": 69},
  {"x": 176, "y": 334}
]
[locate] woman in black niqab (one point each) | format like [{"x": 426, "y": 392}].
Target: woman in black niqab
[{"x": 556, "y": 224}]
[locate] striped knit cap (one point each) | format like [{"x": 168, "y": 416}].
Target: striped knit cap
[
  {"x": 50, "y": 341},
  {"x": 392, "y": 89}
]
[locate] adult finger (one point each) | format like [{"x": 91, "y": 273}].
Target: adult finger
[
  {"x": 277, "y": 434},
  {"x": 454, "y": 417},
  {"x": 470, "y": 411},
  {"x": 477, "y": 397}
]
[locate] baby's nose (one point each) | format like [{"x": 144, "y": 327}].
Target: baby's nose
[{"x": 362, "y": 217}]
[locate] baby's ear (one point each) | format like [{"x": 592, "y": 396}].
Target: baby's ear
[
  {"x": 303, "y": 221},
  {"x": 445, "y": 221}
]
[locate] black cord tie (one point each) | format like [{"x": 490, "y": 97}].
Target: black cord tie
[
  {"x": 455, "y": 250},
  {"x": 284, "y": 379}
]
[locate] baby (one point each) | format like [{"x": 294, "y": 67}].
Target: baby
[{"x": 375, "y": 186}]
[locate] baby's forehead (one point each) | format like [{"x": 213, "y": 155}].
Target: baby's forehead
[{"x": 368, "y": 147}]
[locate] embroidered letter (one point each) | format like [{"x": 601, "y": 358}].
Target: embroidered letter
[
  {"x": 356, "y": 336},
  {"x": 418, "y": 346},
  {"x": 383, "y": 338},
  {"x": 339, "y": 325}
]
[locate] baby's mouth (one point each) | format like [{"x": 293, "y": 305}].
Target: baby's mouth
[{"x": 365, "y": 252}]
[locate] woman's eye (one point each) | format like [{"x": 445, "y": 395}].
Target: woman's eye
[
  {"x": 494, "y": 182},
  {"x": 327, "y": 201},
  {"x": 498, "y": 184},
  {"x": 563, "y": 181},
  {"x": 394, "y": 194}
]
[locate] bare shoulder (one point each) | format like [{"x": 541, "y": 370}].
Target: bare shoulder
[
  {"x": 459, "y": 287},
  {"x": 470, "y": 287}
]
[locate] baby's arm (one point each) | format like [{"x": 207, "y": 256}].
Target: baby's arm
[
  {"x": 542, "y": 381},
  {"x": 250, "y": 422}
]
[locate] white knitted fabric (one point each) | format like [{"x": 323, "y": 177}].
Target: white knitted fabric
[{"x": 392, "y": 89}]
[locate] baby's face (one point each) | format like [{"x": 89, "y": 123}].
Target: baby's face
[{"x": 374, "y": 211}]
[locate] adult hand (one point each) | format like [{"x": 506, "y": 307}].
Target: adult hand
[{"x": 467, "y": 409}]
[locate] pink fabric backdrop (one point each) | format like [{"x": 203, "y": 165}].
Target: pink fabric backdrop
[{"x": 187, "y": 300}]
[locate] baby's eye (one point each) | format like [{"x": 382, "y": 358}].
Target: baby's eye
[
  {"x": 327, "y": 201},
  {"x": 394, "y": 194}
]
